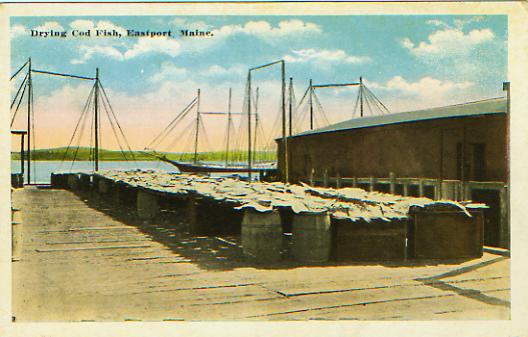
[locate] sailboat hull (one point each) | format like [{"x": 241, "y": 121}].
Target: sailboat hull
[{"x": 197, "y": 168}]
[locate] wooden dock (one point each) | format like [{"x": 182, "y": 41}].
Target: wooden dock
[{"x": 88, "y": 258}]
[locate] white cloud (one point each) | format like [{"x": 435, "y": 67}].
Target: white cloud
[
  {"x": 144, "y": 45},
  {"x": 423, "y": 93},
  {"x": 184, "y": 23},
  {"x": 324, "y": 55},
  {"x": 88, "y": 51},
  {"x": 169, "y": 71},
  {"x": 424, "y": 85},
  {"x": 82, "y": 24},
  {"x": 50, "y": 25},
  {"x": 264, "y": 29},
  {"x": 163, "y": 45},
  {"x": 218, "y": 70},
  {"x": 18, "y": 30},
  {"x": 449, "y": 42}
]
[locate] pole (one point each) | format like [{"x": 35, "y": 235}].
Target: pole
[
  {"x": 22, "y": 155},
  {"x": 30, "y": 89},
  {"x": 96, "y": 119},
  {"x": 228, "y": 127},
  {"x": 284, "y": 139},
  {"x": 290, "y": 106},
  {"x": 361, "y": 95},
  {"x": 311, "y": 105},
  {"x": 249, "y": 125},
  {"x": 197, "y": 127},
  {"x": 256, "y": 124}
]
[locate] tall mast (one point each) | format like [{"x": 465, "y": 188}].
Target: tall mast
[
  {"x": 30, "y": 92},
  {"x": 284, "y": 139},
  {"x": 256, "y": 123},
  {"x": 197, "y": 127},
  {"x": 228, "y": 127},
  {"x": 249, "y": 125},
  {"x": 96, "y": 119},
  {"x": 290, "y": 106},
  {"x": 311, "y": 106},
  {"x": 361, "y": 95}
]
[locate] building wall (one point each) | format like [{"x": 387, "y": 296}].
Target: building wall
[{"x": 423, "y": 149}]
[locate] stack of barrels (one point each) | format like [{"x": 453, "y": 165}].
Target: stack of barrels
[{"x": 262, "y": 236}]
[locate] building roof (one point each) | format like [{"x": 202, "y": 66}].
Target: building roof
[{"x": 484, "y": 107}]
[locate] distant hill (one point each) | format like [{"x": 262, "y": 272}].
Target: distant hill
[{"x": 83, "y": 154}]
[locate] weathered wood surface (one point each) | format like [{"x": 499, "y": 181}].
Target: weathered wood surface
[{"x": 166, "y": 274}]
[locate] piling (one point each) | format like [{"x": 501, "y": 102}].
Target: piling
[
  {"x": 312, "y": 237},
  {"x": 262, "y": 236},
  {"x": 147, "y": 205}
]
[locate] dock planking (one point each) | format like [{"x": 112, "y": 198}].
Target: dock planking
[{"x": 174, "y": 280}]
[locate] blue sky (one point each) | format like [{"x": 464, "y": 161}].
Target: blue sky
[{"x": 409, "y": 62}]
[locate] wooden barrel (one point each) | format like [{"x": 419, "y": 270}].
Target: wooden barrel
[
  {"x": 85, "y": 181},
  {"x": 73, "y": 182},
  {"x": 103, "y": 186},
  {"x": 261, "y": 235},
  {"x": 147, "y": 205},
  {"x": 312, "y": 237}
]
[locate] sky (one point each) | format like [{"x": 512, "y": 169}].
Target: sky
[{"x": 408, "y": 62}]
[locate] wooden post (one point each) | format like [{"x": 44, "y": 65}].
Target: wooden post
[
  {"x": 338, "y": 180},
  {"x": 96, "y": 120},
  {"x": 405, "y": 189},
  {"x": 312, "y": 173},
  {"x": 371, "y": 184},
  {"x": 504, "y": 237},
  {"x": 438, "y": 189},
  {"x": 355, "y": 182},
  {"x": 466, "y": 191},
  {"x": 325, "y": 178},
  {"x": 392, "y": 178},
  {"x": 420, "y": 188},
  {"x": 310, "y": 102},
  {"x": 29, "y": 115}
]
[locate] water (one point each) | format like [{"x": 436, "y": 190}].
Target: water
[{"x": 41, "y": 171}]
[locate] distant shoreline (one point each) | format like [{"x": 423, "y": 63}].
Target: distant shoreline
[{"x": 85, "y": 154}]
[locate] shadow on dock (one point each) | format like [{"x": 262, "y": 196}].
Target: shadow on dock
[{"x": 215, "y": 251}]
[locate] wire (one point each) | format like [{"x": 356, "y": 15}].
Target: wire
[
  {"x": 16, "y": 73},
  {"x": 62, "y": 75},
  {"x": 118, "y": 124},
  {"x": 173, "y": 122},
  {"x": 85, "y": 108},
  {"x": 18, "y": 105},
  {"x": 18, "y": 91}
]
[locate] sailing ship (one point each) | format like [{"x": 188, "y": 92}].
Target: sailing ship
[{"x": 263, "y": 168}]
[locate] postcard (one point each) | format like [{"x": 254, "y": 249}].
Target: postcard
[{"x": 228, "y": 167}]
